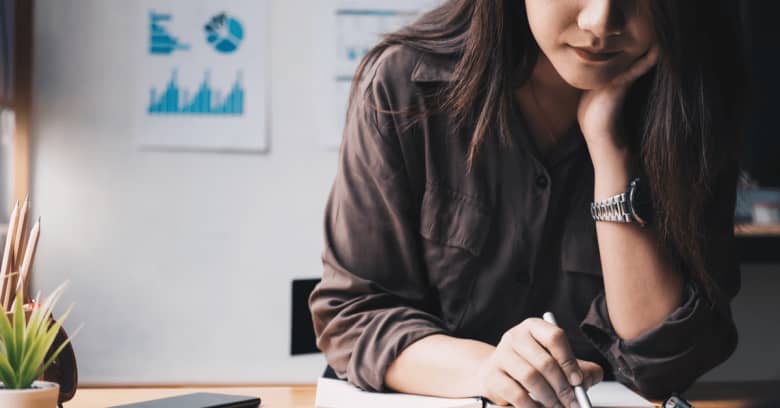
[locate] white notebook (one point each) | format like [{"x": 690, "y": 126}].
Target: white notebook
[{"x": 340, "y": 394}]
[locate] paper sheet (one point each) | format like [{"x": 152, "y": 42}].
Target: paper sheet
[
  {"x": 352, "y": 28},
  {"x": 340, "y": 394},
  {"x": 614, "y": 394}
]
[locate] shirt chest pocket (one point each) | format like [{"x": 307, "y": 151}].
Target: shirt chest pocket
[{"x": 454, "y": 228}]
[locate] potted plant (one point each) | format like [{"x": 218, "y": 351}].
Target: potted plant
[{"x": 26, "y": 337}]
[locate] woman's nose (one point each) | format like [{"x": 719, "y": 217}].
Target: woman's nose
[{"x": 602, "y": 18}]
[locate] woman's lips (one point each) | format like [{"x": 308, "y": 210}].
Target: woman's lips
[{"x": 595, "y": 55}]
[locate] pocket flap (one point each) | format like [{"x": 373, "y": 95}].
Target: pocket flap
[{"x": 453, "y": 219}]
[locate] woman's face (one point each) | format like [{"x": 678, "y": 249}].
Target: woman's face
[{"x": 590, "y": 42}]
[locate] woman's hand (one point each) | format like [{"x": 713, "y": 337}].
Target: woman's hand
[
  {"x": 600, "y": 109},
  {"x": 534, "y": 366}
]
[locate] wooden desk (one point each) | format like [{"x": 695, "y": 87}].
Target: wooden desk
[
  {"x": 737, "y": 395},
  {"x": 708, "y": 395},
  {"x": 298, "y": 396},
  {"x": 748, "y": 230}
]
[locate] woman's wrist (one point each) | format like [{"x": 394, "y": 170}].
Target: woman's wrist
[
  {"x": 440, "y": 365},
  {"x": 612, "y": 172},
  {"x": 481, "y": 353}
]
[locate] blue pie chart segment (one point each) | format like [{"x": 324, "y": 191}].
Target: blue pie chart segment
[{"x": 224, "y": 33}]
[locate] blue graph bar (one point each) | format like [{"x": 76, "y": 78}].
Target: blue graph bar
[
  {"x": 160, "y": 40},
  {"x": 176, "y": 101}
]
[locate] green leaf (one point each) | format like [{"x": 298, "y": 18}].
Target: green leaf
[
  {"x": 48, "y": 304},
  {"x": 7, "y": 373},
  {"x": 5, "y": 329},
  {"x": 33, "y": 359},
  {"x": 37, "y": 352},
  {"x": 34, "y": 323},
  {"x": 18, "y": 334},
  {"x": 57, "y": 351},
  {"x": 51, "y": 358},
  {"x": 6, "y": 335}
]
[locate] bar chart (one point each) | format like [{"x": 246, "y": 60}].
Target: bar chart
[
  {"x": 174, "y": 100},
  {"x": 161, "y": 41}
]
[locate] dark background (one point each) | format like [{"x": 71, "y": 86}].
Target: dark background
[{"x": 761, "y": 153}]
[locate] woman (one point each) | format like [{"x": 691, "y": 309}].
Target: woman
[{"x": 477, "y": 141}]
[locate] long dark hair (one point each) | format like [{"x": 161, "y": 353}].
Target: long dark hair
[{"x": 683, "y": 117}]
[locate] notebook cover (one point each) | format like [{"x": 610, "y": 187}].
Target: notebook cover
[{"x": 199, "y": 400}]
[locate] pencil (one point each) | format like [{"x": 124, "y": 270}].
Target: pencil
[
  {"x": 21, "y": 233},
  {"x": 29, "y": 256},
  {"x": 579, "y": 391},
  {"x": 7, "y": 261}
]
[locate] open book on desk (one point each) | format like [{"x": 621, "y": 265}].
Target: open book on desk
[{"x": 340, "y": 394}]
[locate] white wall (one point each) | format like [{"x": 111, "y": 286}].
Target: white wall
[{"x": 180, "y": 263}]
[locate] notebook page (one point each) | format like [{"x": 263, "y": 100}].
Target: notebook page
[
  {"x": 340, "y": 394},
  {"x": 612, "y": 394}
]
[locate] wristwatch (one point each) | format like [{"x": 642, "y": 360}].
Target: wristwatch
[{"x": 635, "y": 206}]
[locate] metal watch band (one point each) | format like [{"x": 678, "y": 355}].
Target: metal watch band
[{"x": 611, "y": 209}]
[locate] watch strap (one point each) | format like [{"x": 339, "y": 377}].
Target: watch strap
[{"x": 613, "y": 209}]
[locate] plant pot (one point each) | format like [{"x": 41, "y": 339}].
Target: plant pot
[{"x": 41, "y": 394}]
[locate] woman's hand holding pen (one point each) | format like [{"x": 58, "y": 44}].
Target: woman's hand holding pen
[{"x": 534, "y": 359}]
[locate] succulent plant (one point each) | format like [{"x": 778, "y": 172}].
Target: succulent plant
[{"x": 26, "y": 338}]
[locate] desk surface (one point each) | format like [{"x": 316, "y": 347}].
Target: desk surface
[
  {"x": 298, "y": 396},
  {"x": 708, "y": 395}
]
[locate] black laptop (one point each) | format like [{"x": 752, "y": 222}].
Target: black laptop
[{"x": 199, "y": 400}]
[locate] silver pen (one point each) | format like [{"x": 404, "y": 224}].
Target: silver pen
[{"x": 579, "y": 391}]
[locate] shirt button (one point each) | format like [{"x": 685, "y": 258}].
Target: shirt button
[{"x": 542, "y": 181}]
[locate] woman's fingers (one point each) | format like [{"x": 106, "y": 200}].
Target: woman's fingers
[
  {"x": 640, "y": 67},
  {"x": 594, "y": 374},
  {"x": 504, "y": 390},
  {"x": 549, "y": 368},
  {"x": 528, "y": 376},
  {"x": 534, "y": 365},
  {"x": 553, "y": 339}
]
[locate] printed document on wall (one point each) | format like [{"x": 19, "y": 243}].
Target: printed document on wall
[
  {"x": 352, "y": 29},
  {"x": 203, "y": 75}
]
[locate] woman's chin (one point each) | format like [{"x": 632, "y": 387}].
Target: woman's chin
[
  {"x": 587, "y": 82},
  {"x": 586, "y": 78}
]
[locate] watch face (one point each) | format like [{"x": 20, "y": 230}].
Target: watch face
[{"x": 641, "y": 201}]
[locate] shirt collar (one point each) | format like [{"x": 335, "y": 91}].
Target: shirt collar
[{"x": 430, "y": 68}]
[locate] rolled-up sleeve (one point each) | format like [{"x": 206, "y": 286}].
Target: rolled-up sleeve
[
  {"x": 372, "y": 301},
  {"x": 696, "y": 336}
]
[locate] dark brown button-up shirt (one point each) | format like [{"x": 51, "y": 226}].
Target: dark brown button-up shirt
[{"x": 416, "y": 245}]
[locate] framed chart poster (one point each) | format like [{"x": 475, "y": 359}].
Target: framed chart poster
[{"x": 203, "y": 75}]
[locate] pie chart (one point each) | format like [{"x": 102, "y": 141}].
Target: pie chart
[{"x": 224, "y": 33}]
